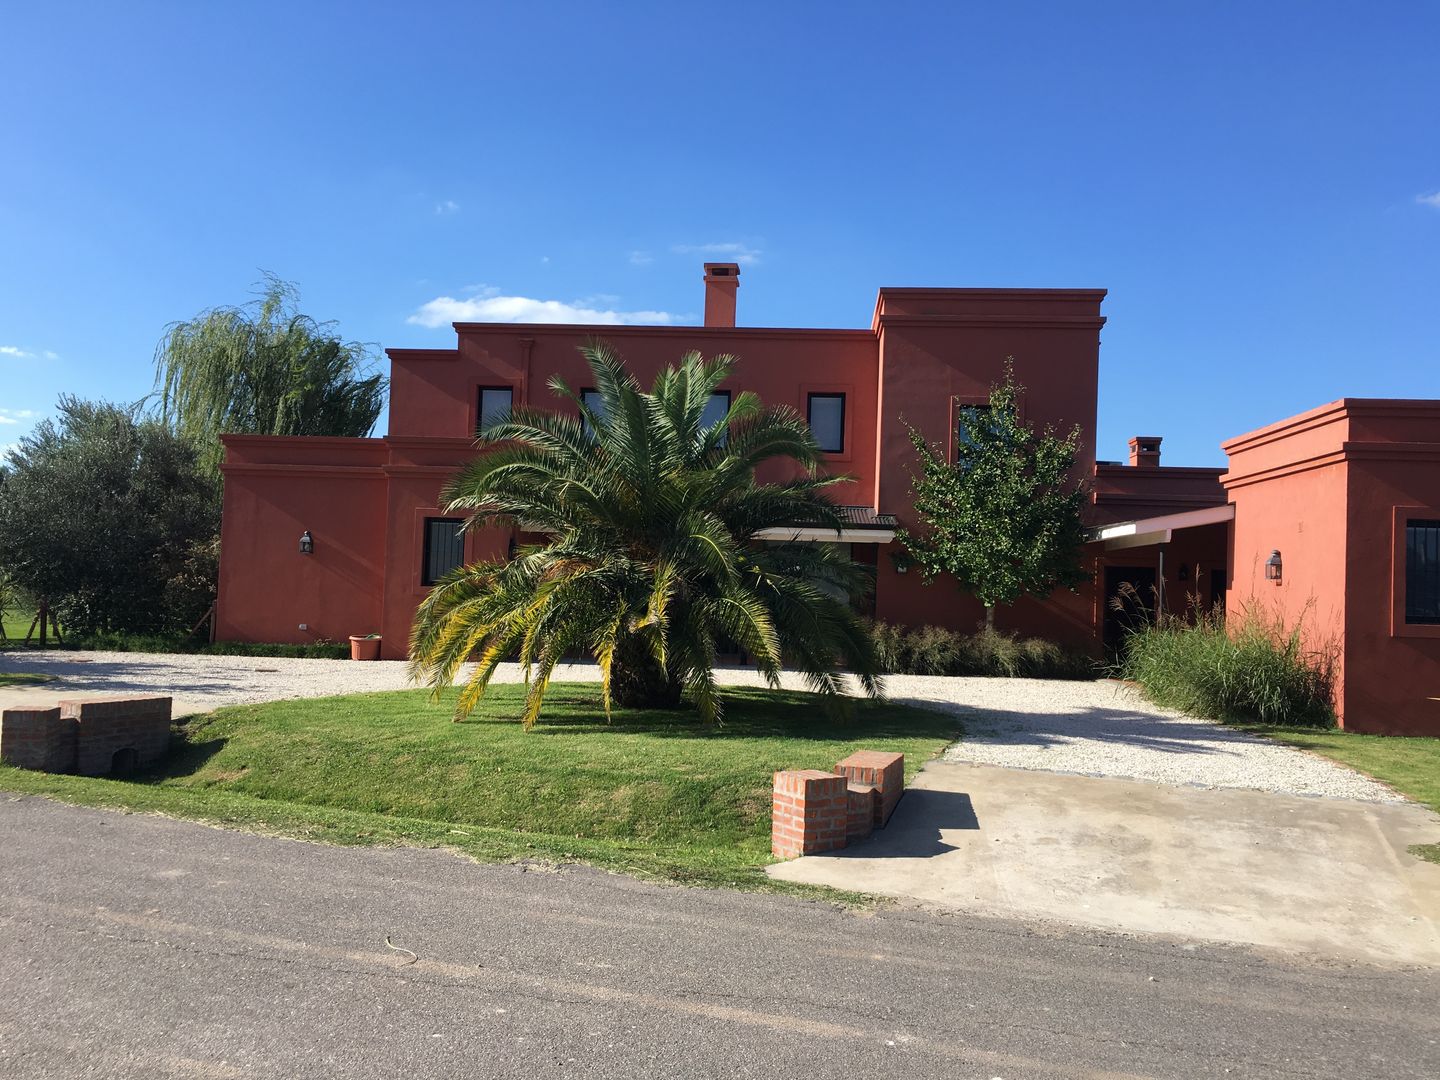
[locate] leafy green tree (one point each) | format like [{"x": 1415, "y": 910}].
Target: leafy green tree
[
  {"x": 1003, "y": 518},
  {"x": 100, "y": 511},
  {"x": 264, "y": 369},
  {"x": 648, "y": 514}
]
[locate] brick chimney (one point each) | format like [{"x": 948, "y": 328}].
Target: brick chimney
[
  {"x": 721, "y": 282},
  {"x": 1145, "y": 451}
]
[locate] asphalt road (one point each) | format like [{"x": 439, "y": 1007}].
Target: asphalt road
[{"x": 135, "y": 946}]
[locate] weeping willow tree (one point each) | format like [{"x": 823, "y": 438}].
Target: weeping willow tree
[
  {"x": 264, "y": 369},
  {"x": 648, "y": 506}
]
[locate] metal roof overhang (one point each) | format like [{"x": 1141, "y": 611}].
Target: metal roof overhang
[
  {"x": 1157, "y": 530},
  {"x": 844, "y": 536}
]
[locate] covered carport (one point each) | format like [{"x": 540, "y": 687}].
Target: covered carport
[{"x": 1169, "y": 563}]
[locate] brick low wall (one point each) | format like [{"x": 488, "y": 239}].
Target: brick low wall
[
  {"x": 38, "y": 739},
  {"x": 92, "y": 737}
]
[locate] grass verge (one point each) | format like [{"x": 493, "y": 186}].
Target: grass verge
[
  {"x": 653, "y": 794},
  {"x": 23, "y": 678},
  {"x": 1411, "y": 765}
]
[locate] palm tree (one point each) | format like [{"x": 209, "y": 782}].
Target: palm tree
[{"x": 649, "y": 513}]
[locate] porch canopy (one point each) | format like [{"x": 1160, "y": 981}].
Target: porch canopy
[
  {"x": 1157, "y": 530},
  {"x": 862, "y": 525}
]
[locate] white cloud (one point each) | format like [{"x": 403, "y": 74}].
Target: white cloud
[
  {"x": 449, "y": 206},
  {"x": 641, "y": 258},
  {"x": 14, "y": 352},
  {"x": 488, "y": 305},
  {"x": 737, "y": 253},
  {"x": 1429, "y": 200},
  {"x": 14, "y": 416},
  {"x": 7, "y": 419}
]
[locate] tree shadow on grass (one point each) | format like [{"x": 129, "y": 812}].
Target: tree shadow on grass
[{"x": 749, "y": 713}]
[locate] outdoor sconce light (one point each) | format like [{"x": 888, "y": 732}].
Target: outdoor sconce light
[
  {"x": 1183, "y": 574},
  {"x": 307, "y": 543},
  {"x": 1272, "y": 567},
  {"x": 902, "y": 562}
]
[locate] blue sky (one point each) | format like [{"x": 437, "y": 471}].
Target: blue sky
[{"x": 1258, "y": 185}]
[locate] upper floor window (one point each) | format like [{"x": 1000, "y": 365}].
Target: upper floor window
[
  {"x": 495, "y": 401},
  {"x": 971, "y": 421},
  {"x": 826, "y": 414},
  {"x": 1422, "y": 572},
  {"x": 595, "y": 402},
  {"x": 444, "y": 548},
  {"x": 716, "y": 409}
]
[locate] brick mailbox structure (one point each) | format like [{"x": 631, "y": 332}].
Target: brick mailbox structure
[
  {"x": 95, "y": 737},
  {"x": 884, "y": 772},
  {"x": 814, "y": 811}
]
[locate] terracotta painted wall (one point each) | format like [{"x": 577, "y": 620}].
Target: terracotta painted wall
[
  {"x": 1393, "y": 680},
  {"x": 1327, "y": 488},
  {"x": 435, "y": 393},
  {"x": 275, "y": 489}
]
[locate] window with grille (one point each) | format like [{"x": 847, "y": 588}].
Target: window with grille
[
  {"x": 444, "y": 548},
  {"x": 1422, "y": 572}
]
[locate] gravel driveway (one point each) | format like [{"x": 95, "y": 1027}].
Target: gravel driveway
[{"x": 1100, "y": 728}]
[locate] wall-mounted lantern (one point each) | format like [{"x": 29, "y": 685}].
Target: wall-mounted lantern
[
  {"x": 1183, "y": 574},
  {"x": 902, "y": 561},
  {"x": 307, "y": 543},
  {"x": 1273, "y": 567}
]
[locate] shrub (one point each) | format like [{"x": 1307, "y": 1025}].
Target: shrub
[
  {"x": 180, "y": 643},
  {"x": 1250, "y": 668},
  {"x": 933, "y": 650}
]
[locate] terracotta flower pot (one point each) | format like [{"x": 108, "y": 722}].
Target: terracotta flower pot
[{"x": 364, "y": 648}]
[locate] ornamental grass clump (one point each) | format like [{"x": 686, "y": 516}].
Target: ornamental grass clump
[
  {"x": 1250, "y": 668},
  {"x": 933, "y": 650}
]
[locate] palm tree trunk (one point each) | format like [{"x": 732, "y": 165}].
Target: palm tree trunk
[{"x": 638, "y": 682}]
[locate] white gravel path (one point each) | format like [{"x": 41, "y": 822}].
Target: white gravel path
[{"x": 1100, "y": 728}]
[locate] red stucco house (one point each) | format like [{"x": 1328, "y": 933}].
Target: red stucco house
[{"x": 378, "y": 535}]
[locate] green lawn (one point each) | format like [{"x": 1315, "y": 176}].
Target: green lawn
[
  {"x": 16, "y": 623},
  {"x": 1410, "y": 765},
  {"x": 656, "y": 793},
  {"x": 17, "y": 678}
]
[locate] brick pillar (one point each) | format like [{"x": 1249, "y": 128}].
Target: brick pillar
[
  {"x": 864, "y": 801},
  {"x": 885, "y": 771},
  {"x": 809, "y": 812}
]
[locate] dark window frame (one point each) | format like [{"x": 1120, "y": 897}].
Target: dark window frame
[
  {"x": 1422, "y": 610},
  {"x": 809, "y": 415},
  {"x": 729, "y": 401},
  {"x": 428, "y": 576},
  {"x": 480, "y": 392},
  {"x": 480, "y": 401}
]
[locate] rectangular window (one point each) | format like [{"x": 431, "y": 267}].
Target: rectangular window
[
  {"x": 495, "y": 401},
  {"x": 595, "y": 403},
  {"x": 970, "y": 420},
  {"x": 1422, "y": 572},
  {"x": 716, "y": 410},
  {"x": 826, "y": 414},
  {"x": 444, "y": 548}
]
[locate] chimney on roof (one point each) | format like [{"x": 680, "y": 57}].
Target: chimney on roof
[
  {"x": 721, "y": 282},
  {"x": 1145, "y": 451}
]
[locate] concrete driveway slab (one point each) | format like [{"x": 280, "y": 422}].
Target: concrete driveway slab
[{"x": 1323, "y": 876}]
